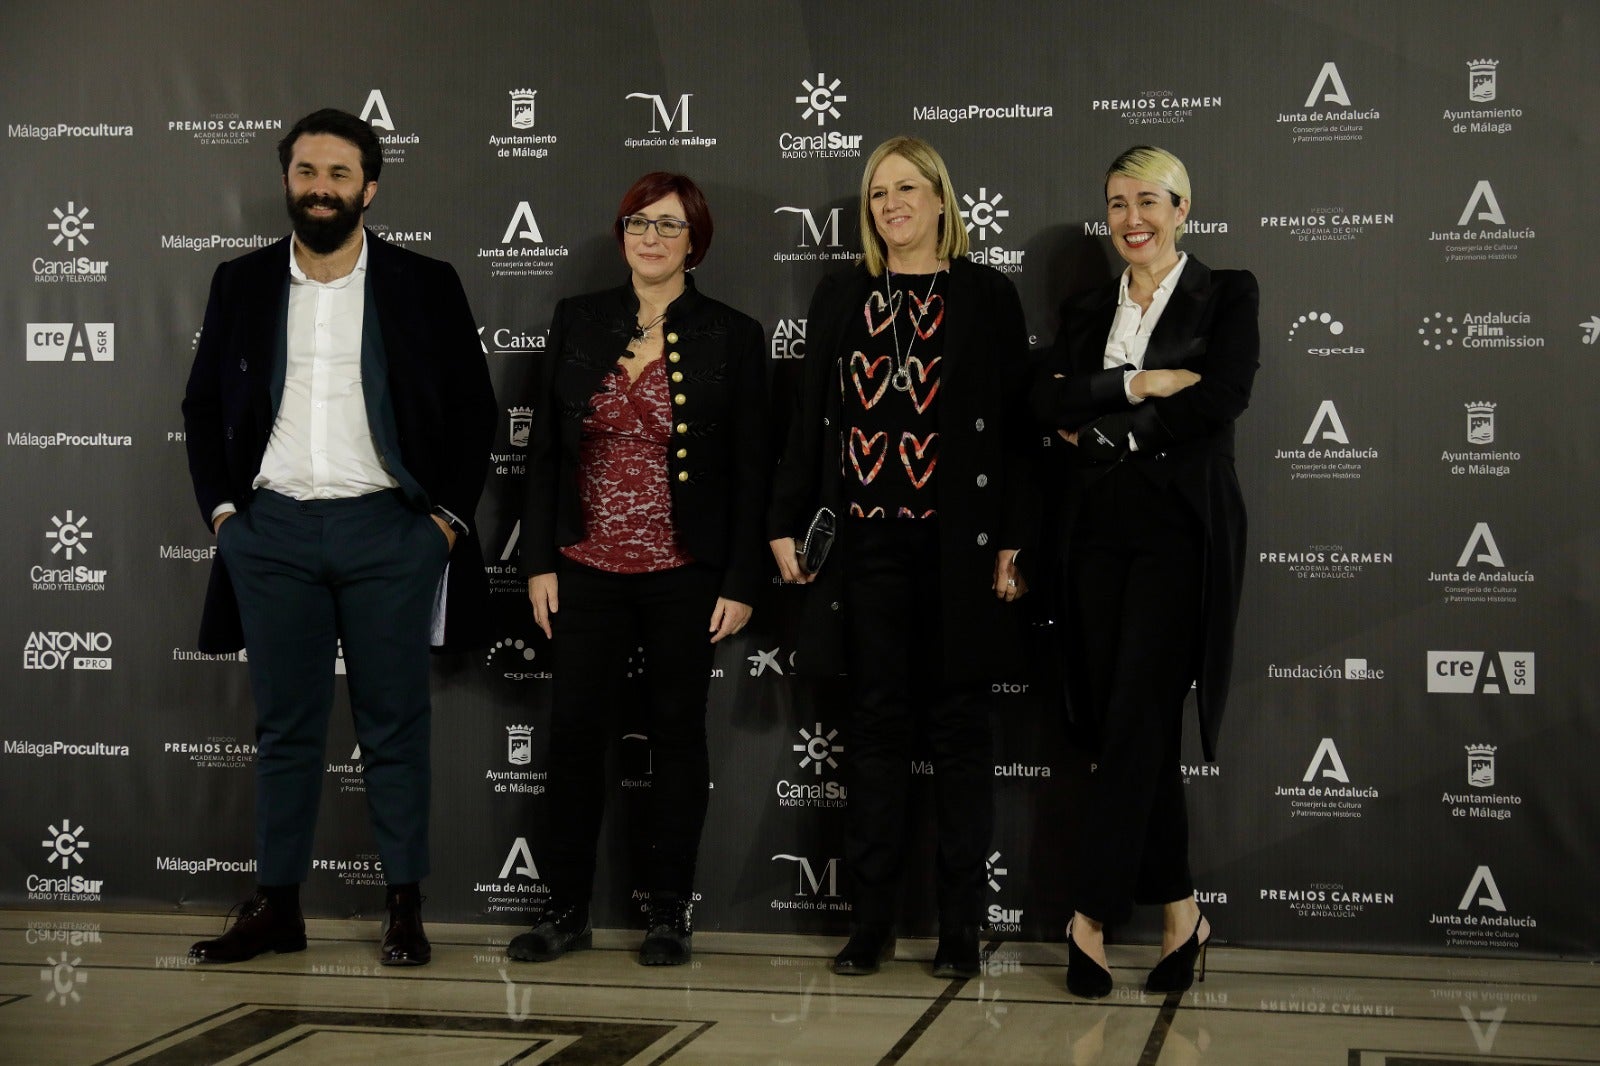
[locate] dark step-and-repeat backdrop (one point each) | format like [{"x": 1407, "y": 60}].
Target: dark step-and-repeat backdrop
[{"x": 1409, "y": 758}]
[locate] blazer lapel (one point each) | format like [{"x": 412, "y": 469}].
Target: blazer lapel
[{"x": 1180, "y": 321}]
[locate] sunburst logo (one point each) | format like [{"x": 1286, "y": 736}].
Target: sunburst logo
[
  {"x": 1438, "y": 331},
  {"x": 69, "y": 227},
  {"x": 819, "y": 98},
  {"x": 818, "y": 748},
  {"x": 984, "y": 213},
  {"x": 65, "y": 844},
  {"x": 994, "y": 871},
  {"x": 63, "y": 976},
  {"x": 69, "y": 536}
]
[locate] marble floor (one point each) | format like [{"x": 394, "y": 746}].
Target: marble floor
[{"x": 81, "y": 988}]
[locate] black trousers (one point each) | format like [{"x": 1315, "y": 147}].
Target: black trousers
[
  {"x": 309, "y": 575},
  {"x": 895, "y": 640},
  {"x": 1134, "y": 577},
  {"x": 603, "y": 617}
]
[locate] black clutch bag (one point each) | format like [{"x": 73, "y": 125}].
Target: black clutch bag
[{"x": 818, "y": 540}]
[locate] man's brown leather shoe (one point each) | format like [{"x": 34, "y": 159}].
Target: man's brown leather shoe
[
  {"x": 404, "y": 942},
  {"x": 260, "y": 927}
]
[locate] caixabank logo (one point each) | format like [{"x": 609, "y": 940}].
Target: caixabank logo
[
  {"x": 69, "y": 230},
  {"x": 1326, "y": 452},
  {"x": 1482, "y": 233},
  {"x": 523, "y": 251},
  {"x": 1480, "y": 574},
  {"x": 1329, "y": 114},
  {"x": 671, "y": 124},
  {"x": 1482, "y": 918},
  {"x": 819, "y": 100},
  {"x": 510, "y": 340},
  {"x": 71, "y": 342},
  {"x": 396, "y": 144},
  {"x": 65, "y": 844},
  {"x": 1482, "y": 673},
  {"x": 1325, "y": 790}
]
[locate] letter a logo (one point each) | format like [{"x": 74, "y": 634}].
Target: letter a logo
[
  {"x": 1327, "y": 752},
  {"x": 1329, "y": 415},
  {"x": 530, "y": 226},
  {"x": 376, "y": 112},
  {"x": 1483, "y": 193},
  {"x": 1329, "y": 79},
  {"x": 519, "y": 852},
  {"x": 1483, "y": 880},
  {"x": 1481, "y": 539}
]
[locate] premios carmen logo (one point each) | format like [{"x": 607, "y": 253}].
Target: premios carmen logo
[
  {"x": 819, "y": 101},
  {"x": 1156, "y": 107},
  {"x": 69, "y": 231}
]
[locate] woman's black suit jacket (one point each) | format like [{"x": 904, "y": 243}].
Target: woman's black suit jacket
[
  {"x": 987, "y": 497},
  {"x": 1185, "y": 440},
  {"x": 718, "y": 460}
]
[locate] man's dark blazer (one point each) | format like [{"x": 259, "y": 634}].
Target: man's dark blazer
[
  {"x": 428, "y": 397},
  {"x": 719, "y": 459},
  {"x": 1185, "y": 440},
  {"x": 987, "y": 494}
]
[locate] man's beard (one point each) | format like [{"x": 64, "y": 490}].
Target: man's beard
[{"x": 324, "y": 234}]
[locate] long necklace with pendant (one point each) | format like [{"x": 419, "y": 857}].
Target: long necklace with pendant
[{"x": 901, "y": 378}]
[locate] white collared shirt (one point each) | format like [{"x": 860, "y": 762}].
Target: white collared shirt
[
  {"x": 321, "y": 446},
  {"x": 1131, "y": 328}
]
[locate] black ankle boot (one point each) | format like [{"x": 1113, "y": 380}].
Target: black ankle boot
[
  {"x": 563, "y": 928},
  {"x": 871, "y": 944},
  {"x": 668, "y": 932},
  {"x": 957, "y": 954}
]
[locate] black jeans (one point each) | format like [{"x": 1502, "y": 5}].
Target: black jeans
[
  {"x": 1134, "y": 585},
  {"x": 895, "y": 638},
  {"x": 603, "y": 617}
]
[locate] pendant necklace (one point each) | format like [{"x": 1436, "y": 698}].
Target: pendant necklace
[{"x": 901, "y": 378}]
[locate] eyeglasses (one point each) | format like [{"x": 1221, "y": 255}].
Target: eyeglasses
[{"x": 666, "y": 228}]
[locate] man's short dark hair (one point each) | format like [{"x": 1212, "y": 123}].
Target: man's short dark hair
[{"x": 341, "y": 124}]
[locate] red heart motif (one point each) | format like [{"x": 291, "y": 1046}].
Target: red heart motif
[
  {"x": 906, "y": 512},
  {"x": 867, "y": 445},
  {"x": 921, "y": 448},
  {"x": 876, "y": 301},
  {"x": 869, "y": 371},
  {"x": 921, "y": 378},
  {"x": 922, "y": 311},
  {"x": 857, "y": 512}
]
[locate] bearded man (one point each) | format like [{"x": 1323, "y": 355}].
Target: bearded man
[{"x": 339, "y": 418}]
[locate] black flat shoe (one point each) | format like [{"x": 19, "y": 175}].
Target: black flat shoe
[
  {"x": 1175, "y": 972},
  {"x": 871, "y": 944},
  {"x": 957, "y": 954},
  {"x": 559, "y": 932},
  {"x": 1085, "y": 977},
  {"x": 260, "y": 927},
  {"x": 668, "y": 935}
]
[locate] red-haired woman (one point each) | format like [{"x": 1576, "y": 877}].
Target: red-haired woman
[{"x": 642, "y": 527}]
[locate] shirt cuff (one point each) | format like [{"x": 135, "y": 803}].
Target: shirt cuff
[
  {"x": 1130, "y": 371},
  {"x": 225, "y": 507}
]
